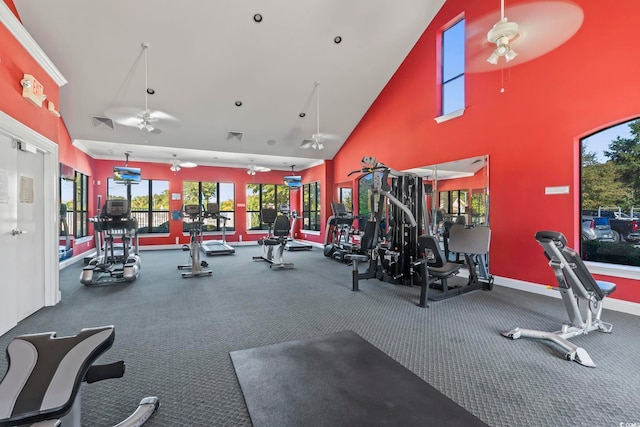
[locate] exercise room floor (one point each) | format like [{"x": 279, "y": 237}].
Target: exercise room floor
[{"x": 175, "y": 336}]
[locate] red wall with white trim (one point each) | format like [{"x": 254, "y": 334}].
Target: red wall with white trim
[{"x": 530, "y": 132}]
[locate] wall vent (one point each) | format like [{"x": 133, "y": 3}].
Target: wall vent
[
  {"x": 102, "y": 122},
  {"x": 236, "y": 136}
]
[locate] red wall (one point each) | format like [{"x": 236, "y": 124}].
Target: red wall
[
  {"x": 530, "y": 131},
  {"x": 159, "y": 171}
]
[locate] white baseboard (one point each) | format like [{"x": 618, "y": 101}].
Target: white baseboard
[{"x": 610, "y": 303}]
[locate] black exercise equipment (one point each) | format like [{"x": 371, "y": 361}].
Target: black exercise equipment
[
  {"x": 339, "y": 232},
  {"x": 196, "y": 267},
  {"x": 42, "y": 383},
  {"x": 435, "y": 267},
  {"x": 576, "y": 284},
  {"x": 217, "y": 247},
  {"x": 114, "y": 262},
  {"x": 293, "y": 244},
  {"x": 65, "y": 251},
  {"x": 273, "y": 244}
]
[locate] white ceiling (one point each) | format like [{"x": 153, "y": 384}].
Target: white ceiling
[{"x": 204, "y": 56}]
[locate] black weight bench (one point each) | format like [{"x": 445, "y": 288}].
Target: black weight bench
[
  {"x": 42, "y": 383},
  {"x": 575, "y": 284}
]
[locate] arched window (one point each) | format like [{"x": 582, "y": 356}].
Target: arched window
[{"x": 610, "y": 195}]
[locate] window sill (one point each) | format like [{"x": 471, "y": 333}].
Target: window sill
[
  {"x": 449, "y": 116},
  {"x": 312, "y": 232},
  {"x": 613, "y": 270},
  {"x": 257, "y": 231}
]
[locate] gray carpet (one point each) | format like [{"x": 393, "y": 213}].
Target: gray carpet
[{"x": 176, "y": 334}]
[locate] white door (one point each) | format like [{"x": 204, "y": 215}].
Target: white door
[
  {"x": 30, "y": 243},
  {"x": 22, "y": 289},
  {"x": 8, "y": 242}
]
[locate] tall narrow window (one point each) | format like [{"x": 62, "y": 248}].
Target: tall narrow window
[
  {"x": 453, "y": 68},
  {"x": 81, "y": 205},
  {"x": 311, "y": 206}
]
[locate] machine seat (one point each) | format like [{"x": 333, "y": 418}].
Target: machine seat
[
  {"x": 45, "y": 373},
  {"x": 607, "y": 288}
]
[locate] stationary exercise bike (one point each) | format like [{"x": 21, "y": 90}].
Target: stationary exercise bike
[
  {"x": 42, "y": 384},
  {"x": 273, "y": 245},
  {"x": 197, "y": 215}
]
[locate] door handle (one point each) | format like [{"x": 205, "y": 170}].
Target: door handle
[{"x": 15, "y": 232}]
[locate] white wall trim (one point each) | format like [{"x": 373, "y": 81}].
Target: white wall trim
[
  {"x": 449, "y": 116},
  {"x": 610, "y": 303},
  {"x": 16, "y": 28},
  {"x": 51, "y": 172}
]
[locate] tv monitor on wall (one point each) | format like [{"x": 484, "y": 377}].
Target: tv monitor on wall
[
  {"x": 126, "y": 175},
  {"x": 293, "y": 181}
]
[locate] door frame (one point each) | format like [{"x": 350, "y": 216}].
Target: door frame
[{"x": 51, "y": 173}]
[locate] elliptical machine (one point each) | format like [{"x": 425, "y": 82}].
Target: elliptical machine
[
  {"x": 197, "y": 214},
  {"x": 114, "y": 262}
]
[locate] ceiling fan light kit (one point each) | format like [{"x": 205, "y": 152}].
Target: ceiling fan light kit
[{"x": 502, "y": 34}]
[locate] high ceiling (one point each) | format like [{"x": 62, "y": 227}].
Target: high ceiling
[{"x": 204, "y": 56}]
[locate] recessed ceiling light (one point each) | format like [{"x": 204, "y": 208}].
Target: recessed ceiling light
[
  {"x": 302, "y": 114},
  {"x": 238, "y": 103},
  {"x": 257, "y": 17},
  {"x": 150, "y": 91},
  {"x": 337, "y": 39}
]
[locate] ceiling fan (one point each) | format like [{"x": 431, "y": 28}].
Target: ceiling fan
[
  {"x": 317, "y": 139},
  {"x": 502, "y": 34},
  {"x": 145, "y": 119},
  {"x": 176, "y": 164},
  {"x": 253, "y": 169}
]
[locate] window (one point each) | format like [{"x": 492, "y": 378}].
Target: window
[
  {"x": 81, "y": 208},
  {"x": 74, "y": 195},
  {"x": 453, "y": 68},
  {"x": 610, "y": 195},
  {"x": 345, "y": 197},
  {"x": 149, "y": 203},
  {"x": 311, "y": 206},
  {"x": 203, "y": 193},
  {"x": 454, "y": 202},
  {"x": 260, "y": 196}
]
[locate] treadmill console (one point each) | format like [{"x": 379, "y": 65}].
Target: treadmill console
[{"x": 117, "y": 208}]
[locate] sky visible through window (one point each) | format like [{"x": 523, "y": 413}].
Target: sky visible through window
[
  {"x": 599, "y": 142},
  {"x": 453, "y": 62}
]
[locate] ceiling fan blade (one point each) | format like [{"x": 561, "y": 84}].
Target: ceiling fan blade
[
  {"x": 161, "y": 116},
  {"x": 156, "y": 131},
  {"x": 307, "y": 143},
  {"x": 324, "y": 137},
  {"x": 262, "y": 169},
  {"x": 128, "y": 116}
]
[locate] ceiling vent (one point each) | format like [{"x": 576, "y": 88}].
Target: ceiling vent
[
  {"x": 102, "y": 122},
  {"x": 235, "y": 136}
]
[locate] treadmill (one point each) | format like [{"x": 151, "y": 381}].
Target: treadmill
[
  {"x": 293, "y": 244},
  {"x": 217, "y": 247}
]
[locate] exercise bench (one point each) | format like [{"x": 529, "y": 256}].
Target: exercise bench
[{"x": 576, "y": 284}]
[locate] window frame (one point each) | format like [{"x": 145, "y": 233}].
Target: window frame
[
  {"x": 151, "y": 219},
  {"x": 311, "y": 206},
  {"x": 262, "y": 204},
  {"x": 212, "y": 225},
  {"x": 447, "y": 82}
]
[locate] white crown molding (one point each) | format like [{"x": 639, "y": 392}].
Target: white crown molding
[{"x": 22, "y": 35}]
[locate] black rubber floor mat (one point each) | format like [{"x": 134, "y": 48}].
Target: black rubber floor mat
[{"x": 338, "y": 380}]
